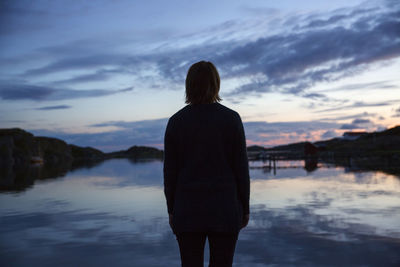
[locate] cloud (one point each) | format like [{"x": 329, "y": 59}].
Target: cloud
[
  {"x": 297, "y": 61},
  {"x": 361, "y": 121},
  {"x": 78, "y": 63},
  {"x": 97, "y": 76},
  {"x": 54, "y": 107},
  {"x": 334, "y": 19},
  {"x": 148, "y": 124},
  {"x": 349, "y": 126},
  {"x": 44, "y": 93},
  {"x": 341, "y": 44},
  {"x": 329, "y": 134},
  {"x": 348, "y": 117},
  {"x": 11, "y": 10},
  {"x": 396, "y": 113},
  {"x": 314, "y": 95},
  {"x": 363, "y": 86},
  {"x": 279, "y": 133},
  {"x": 360, "y": 104},
  {"x": 127, "y": 134},
  {"x": 151, "y": 133}
]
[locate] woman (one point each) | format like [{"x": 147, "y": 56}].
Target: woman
[{"x": 206, "y": 174}]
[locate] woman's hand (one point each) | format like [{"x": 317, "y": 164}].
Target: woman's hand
[{"x": 246, "y": 218}]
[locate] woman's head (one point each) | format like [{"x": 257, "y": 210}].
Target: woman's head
[{"x": 202, "y": 83}]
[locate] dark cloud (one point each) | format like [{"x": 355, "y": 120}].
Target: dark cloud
[
  {"x": 361, "y": 121},
  {"x": 326, "y": 22},
  {"x": 314, "y": 95},
  {"x": 44, "y": 93},
  {"x": 349, "y": 126},
  {"x": 22, "y": 91},
  {"x": 14, "y": 18},
  {"x": 357, "y": 124},
  {"x": 54, "y": 107}
]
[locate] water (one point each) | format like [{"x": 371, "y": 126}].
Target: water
[{"x": 114, "y": 214}]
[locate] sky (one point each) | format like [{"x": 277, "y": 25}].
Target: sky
[{"x": 109, "y": 73}]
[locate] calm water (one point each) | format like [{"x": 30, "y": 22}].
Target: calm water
[{"x": 114, "y": 214}]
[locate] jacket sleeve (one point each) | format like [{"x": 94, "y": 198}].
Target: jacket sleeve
[
  {"x": 241, "y": 167},
  {"x": 170, "y": 167}
]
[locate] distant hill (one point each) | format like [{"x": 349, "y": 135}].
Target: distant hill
[
  {"x": 289, "y": 147},
  {"x": 375, "y": 143},
  {"x": 255, "y": 148},
  {"x": 137, "y": 152},
  {"x": 387, "y": 141},
  {"x": 371, "y": 151},
  {"x": 19, "y": 148}
]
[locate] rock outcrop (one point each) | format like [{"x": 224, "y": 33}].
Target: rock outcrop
[
  {"x": 138, "y": 152},
  {"x": 25, "y": 158},
  {"x": 19, "y": 148}
]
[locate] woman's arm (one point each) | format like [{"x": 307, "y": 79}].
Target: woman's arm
[
  {"x": 241, "y": 167},
  {"x": 170, "y": 167}
]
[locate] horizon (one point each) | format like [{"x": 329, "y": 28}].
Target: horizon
[
  {"x": 109, "y": 74},
  {"x": 248, "y": 146}
]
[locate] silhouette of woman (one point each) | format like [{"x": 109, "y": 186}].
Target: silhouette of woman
[{"x": 206, "y": 175}]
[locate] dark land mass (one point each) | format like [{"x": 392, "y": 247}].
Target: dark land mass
[
  {"x": 25, "y": 158},
  {"x": 372, "y": 151}
]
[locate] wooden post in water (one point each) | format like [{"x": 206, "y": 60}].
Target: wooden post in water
[
  {"x": 273, "y": 158},
  {"x": 269, "y": 163}
]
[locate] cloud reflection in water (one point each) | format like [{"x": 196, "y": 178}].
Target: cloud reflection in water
[{"x": 115, "y": 214}]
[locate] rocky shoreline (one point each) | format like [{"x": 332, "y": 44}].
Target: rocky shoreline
[{"x": 19, "y": 148}]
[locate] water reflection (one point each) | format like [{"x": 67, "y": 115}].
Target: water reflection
[
  {"x": 115, "y": 213},
  {"x": 24, "y": 177}
]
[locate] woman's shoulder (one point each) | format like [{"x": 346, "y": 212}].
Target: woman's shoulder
[
  {"x": 216, "y": 109},
  {"x": 179, "y": 113},
  {"x": 228, "y": 110}
]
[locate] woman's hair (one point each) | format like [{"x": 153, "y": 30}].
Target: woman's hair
[{"x": 202, "y": 83}]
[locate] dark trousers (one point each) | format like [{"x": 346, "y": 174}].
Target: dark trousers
[{"x": 222, "y": 247}]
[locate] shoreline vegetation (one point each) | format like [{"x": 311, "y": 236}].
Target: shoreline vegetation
[{"x": 25, "y": 157}]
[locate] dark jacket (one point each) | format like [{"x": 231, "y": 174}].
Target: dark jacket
[{"x": 206, "y": 174}]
